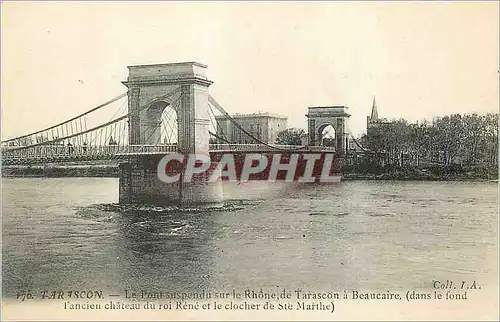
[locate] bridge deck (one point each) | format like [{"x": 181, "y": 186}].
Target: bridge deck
[{"x": 59, "y": 153}]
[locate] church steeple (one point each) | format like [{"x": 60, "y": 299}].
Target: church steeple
[{"x": 374, "y": 115}]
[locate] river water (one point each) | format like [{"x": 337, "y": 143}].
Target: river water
[{"x": 65, "y": 233}]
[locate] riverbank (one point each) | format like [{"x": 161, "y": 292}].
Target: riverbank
[
  {"x": 402, "y": 174},
  {"x": 478, "y": 173},
  {"x": 104, "y": 171}
]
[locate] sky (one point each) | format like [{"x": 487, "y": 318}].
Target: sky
[{"x": 420, "y": 60}]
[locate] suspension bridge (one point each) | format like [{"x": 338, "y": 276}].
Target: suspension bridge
[
  {"x": 74, "y": 140},
  {"x": 167, "y": 108}
]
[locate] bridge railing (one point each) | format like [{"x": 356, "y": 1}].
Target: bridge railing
[
  {"x": 149, "y": 148},
  {"x": 60, "y": 151},
  {"x": 46, "y": 153}
]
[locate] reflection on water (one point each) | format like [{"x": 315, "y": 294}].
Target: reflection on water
[{"x": 67, "y": 233}]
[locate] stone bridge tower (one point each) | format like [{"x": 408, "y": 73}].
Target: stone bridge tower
[
  {"x": 320, "y": 117},
  {"x": 152, "y": 89}
]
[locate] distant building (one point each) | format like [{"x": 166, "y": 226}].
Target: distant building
[
  {"x": 373, "y": 120},
  {"x": 263, "y": 126}
]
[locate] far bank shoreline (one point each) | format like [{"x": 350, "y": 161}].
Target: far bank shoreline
[{"x": 407, "y": 174}]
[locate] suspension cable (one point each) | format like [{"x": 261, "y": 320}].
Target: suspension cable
[
  {"x": 220, "y": 138},
  {"x": 92, "y": 129},
  {"x": 72, "y": 119},
  {"x": 357, "y": 143},
  {"x": 216, "y": 126},
  {"x": 221, "y": 109}
]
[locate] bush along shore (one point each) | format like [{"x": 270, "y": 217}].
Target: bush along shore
[
  {"x": 355, "y": 172},
  {"x": 429, "y": 173}
]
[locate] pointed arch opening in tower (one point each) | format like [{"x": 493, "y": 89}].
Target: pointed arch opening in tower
[
  {"x": 161, "y": 128},
  {"x": 169, "y": 126}
]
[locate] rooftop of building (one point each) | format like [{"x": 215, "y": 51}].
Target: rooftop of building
[
  {"x": 254, "y": 115},
  {"x": 329, "y": 106},
  {"x": 186, "y": 63}
]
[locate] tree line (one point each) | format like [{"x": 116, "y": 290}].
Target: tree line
[
  {"x": 468, "y": 139},
  {"x": 464, "y": 139}
]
